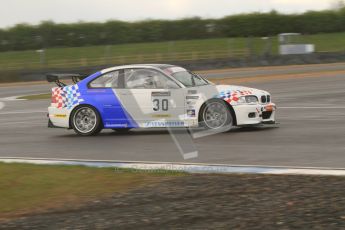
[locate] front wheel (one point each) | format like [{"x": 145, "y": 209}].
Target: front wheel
[
  {"x": 216, "y": 115},
  {"x": 86, "y": 121}
]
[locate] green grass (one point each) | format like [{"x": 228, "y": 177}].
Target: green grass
[
  {"x": 127, "y": 53},
  {"x": 154, "y": 52},
  {"x": 36, "y": 97},
  {"x": 27, "y": 188}
]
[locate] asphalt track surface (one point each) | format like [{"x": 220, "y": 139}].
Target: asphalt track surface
[{"x": 311, "y": 133}]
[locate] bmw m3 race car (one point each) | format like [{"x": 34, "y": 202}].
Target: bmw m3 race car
[{"x": 149, "y": 96}]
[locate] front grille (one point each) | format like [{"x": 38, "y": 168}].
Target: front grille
[
  {"x": 266, "y": 115},
  {"x": 263, "y": 99}
]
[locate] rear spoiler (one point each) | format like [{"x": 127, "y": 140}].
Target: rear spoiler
[{"x": 57, "y": 77}]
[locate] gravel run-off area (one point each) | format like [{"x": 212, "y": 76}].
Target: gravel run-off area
[{"x": 208, "y": 202}]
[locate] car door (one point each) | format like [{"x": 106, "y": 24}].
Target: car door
[
  {"x": 101, "y": 93},
  {"x": 152, "y": 98}
]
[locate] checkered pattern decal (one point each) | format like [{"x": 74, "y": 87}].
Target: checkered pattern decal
[
  {"x": 66, "y": 97},
  {"x": 233, "y": 96}
]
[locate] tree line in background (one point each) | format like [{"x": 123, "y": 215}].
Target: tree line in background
[{"x": 49, "y": 34}]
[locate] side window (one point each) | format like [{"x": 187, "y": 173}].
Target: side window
[
  {"x": 148, "y": 79},
  {"x": 189, "y": 79},
  {"x": 108, "y": 80},
  {"x": 185, "y": 78}
]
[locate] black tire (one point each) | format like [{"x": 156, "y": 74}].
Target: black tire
[
  {"x": 221, "y": 119},
  {"x": 86, "y": 121},
  {"x": 122, "y": 130}
]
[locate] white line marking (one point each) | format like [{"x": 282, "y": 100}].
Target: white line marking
[
  {"x": 2, "y": 105},
  {"x": 312, "y": 107},
  {"x": 22, "y": 112},
  {"x": 13, "y": 98},
  {"x": 187, "y": 167},
  {"x": 155, "y": 162}
]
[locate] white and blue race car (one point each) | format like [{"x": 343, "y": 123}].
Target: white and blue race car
[{"x": 149, "y": 96}]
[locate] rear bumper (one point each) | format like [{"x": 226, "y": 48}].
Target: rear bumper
[
  {"x": 58, "y": 118},
  {"x": 255, "y": 114},
  {"x": 51, "y": 125}
]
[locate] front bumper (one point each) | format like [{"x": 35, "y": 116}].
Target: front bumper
[{"x": 255, "y": 114}]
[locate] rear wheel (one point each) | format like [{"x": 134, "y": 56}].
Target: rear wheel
[
  {"x": 216, "y": 115},
  {"x": 86, "y": 121}
]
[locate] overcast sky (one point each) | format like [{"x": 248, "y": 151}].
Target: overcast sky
[{"x": 34, "y": 11}]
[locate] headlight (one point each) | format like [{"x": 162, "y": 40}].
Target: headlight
[{"x": 248, "y": 100}]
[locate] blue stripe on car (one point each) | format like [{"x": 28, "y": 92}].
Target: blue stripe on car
[{"x": 112, "y": 112}]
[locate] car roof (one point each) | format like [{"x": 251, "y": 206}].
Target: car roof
[{"x": 159, "y": 66}]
